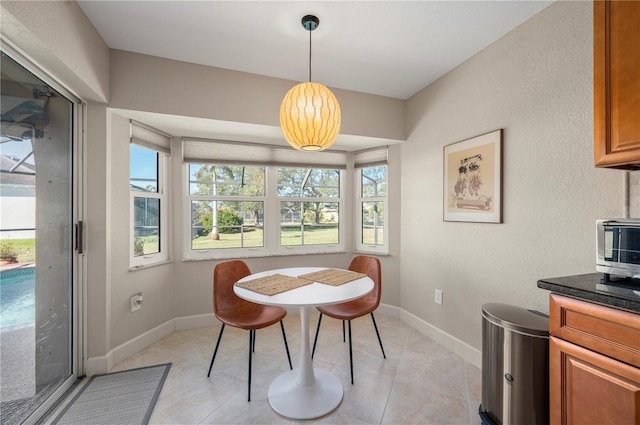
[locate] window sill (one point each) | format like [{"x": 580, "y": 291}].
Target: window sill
[
  {"x": 150, "y": 265},
  {"x": 378, "y": 253},
  {"x": 261, "y": 255}
]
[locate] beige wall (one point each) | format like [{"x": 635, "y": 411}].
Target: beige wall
[
  {"x": 536, "y": 83},
  {"x": 152, "y": 84},
  {"x": 184, "y": 288},
  {"x": 58, "y": 36}
]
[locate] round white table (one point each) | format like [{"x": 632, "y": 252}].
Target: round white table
[{"x": 306, "y": 393}]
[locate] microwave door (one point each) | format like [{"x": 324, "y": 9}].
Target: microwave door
[
  {"x": 611, "y": 243},
  {"x": 628, "y": 245}
]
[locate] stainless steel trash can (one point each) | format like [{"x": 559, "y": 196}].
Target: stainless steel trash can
[{"x": 515, "y": 366}]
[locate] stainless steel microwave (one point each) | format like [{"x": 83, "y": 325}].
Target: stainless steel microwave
[{"x": 618, "y": 247}]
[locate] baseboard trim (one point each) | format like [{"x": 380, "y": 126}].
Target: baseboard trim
[
  {"x": 98, "y": 365},
  {"x": 461, "y": 348},
  {"x": 389, "y": 311},
  {"x": 102, "y": 364},
  {"x": 197, "y": 321}
]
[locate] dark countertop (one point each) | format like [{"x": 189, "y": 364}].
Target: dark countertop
[{"x": 619, "y": 293}]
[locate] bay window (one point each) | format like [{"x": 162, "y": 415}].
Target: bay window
[
  {"x": 148, "y": 153},
  {"x": 372, "y": 185},
  {"x": 248, "y": 200}
]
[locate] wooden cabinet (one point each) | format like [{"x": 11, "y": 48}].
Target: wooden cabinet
[
  {"x": 594, "y": 364},
  {"x": 616, "y": 59}
]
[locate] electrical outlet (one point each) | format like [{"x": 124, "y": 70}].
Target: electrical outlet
[
  {"x": 438, "y": 298},
  {"x": 136, "y": 301}
]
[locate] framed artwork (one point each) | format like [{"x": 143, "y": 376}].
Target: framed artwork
[{"x": 473, "y": 179}]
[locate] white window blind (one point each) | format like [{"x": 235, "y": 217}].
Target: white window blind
[
  {"x": 228, "y": 152},
  {"x": 370, "y": 157},
  {"x": 149, "y": 137}
]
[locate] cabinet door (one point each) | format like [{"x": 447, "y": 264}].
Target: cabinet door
[
  {"x": 589, "y": 388},
  {"x": 616, "y": 35}
]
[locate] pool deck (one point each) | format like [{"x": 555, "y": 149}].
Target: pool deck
[
  {"x": 17, "y": 360},
  {"x": 17, "y": 355},
  {"x": 12, "y": 266}
]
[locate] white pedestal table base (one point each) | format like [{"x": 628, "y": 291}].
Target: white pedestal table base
[
  {"x": 290, "y": 399},
  {"x": 305, "y": 393}
]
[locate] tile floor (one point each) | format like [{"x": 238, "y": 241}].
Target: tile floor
[{"x": 419, "y": 382}]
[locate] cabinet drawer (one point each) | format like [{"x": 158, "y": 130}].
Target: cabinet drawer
[{"x": 614, "y": 333}]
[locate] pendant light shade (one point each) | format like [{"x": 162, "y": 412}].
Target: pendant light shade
[
  {"x": 310, "y": 113},
  {"x": 310, "y": 117}
]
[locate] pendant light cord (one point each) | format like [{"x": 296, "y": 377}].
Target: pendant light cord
[{"x": 310, "y": 55}]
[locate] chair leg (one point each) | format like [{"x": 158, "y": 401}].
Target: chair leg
[
  {"x": 286, "y": 346},
  {"x": 252, "y": 336},
  {"x": 378, "y": 333},
  {"x": 315, "y": 340},
  {"x": 216, "y": 350},
  {"x": 253, "y": 345},
  {"x": 343, "y": 339},
  {"x": 350, "y": 353}
]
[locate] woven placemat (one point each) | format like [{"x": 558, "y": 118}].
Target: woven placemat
[
  {"x": 333, "y": 277},
  {"x": 273, "y": 284}
]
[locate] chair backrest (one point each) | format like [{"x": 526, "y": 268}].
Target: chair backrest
[
  {"x": 371, "y": 267},
  {"x": 224, "y": 276}
]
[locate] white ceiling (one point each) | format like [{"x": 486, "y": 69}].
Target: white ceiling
[{"x": 388, "y": 48}]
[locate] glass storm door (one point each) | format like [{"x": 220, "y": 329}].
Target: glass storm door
[{"x": 37, "y": 236}]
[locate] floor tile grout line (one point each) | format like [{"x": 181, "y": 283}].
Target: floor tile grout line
[
  {"x": 395, "y": 376},
  {"x": 219, "y": 406},
  {"x": 466, "y": 383}
]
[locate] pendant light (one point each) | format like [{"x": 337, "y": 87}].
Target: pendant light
[{"x": 310, "y": 113}]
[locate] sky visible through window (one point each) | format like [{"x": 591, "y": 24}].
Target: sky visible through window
[
  {"x": 17, "y": 150},
  {"x": 144, "y": 166}
]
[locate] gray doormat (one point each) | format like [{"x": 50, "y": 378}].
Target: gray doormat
[{"x": 126, "y": 397}]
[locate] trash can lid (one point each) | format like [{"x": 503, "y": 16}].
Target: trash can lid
[{"x": 517, "y": 318}]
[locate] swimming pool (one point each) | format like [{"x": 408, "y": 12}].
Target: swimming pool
[{"x": 17, "y": 297}]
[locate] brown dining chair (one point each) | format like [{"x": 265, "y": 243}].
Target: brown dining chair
[
  {"x": 358, "y": 307},
  {"x": 232, "y": 310}
]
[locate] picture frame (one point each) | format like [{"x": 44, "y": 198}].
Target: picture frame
[{"x": 473, "y": 179}]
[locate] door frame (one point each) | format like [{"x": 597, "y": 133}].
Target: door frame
[{"x": 78, "y": 349}]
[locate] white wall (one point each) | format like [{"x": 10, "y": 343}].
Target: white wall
[
  {"x": 18, "y": 211},
  {"x": 536, "y": 83}
]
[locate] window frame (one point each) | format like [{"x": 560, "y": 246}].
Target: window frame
[
  {"x": 196, "y": 254},
  {"x": 315, "y": 248},
  {"x": 271, "y": 232},
  {"x": 359, "y": 200},
  {"x": 163, "y": 159}
]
